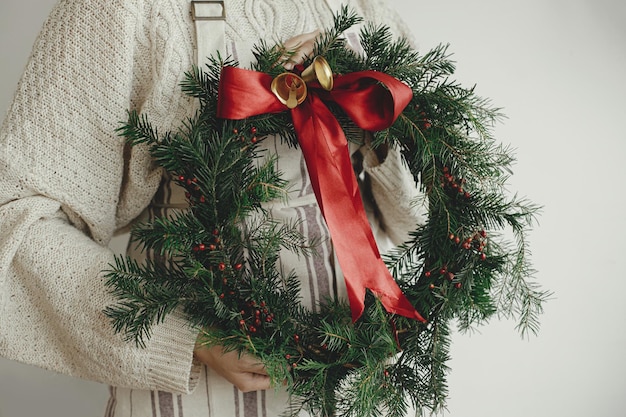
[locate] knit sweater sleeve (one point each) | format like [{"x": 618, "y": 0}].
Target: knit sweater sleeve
[
  {"x": 67, "y": 182},
  {"x": 398, "y": 203}
]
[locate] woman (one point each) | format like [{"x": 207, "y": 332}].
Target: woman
[{"x": 68, "y": 183}]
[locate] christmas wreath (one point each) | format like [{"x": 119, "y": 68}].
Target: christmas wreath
[{"x": 390, "y": 343}]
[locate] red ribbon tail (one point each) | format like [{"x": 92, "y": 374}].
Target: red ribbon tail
[
  {"x": 326, "y": 153},
  {"x": 392, "y": 299},
  {"x": 397, "y": 303},
  {"x": 356, "y": 298}
]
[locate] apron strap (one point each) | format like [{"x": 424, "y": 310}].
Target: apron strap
[{"x": 209, "y": 18}]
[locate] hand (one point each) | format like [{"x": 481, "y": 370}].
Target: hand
[
  {"x": 301, "y": 46},
  {"x": 243, "y": 371}
]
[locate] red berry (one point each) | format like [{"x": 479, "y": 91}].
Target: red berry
[
  {"x": 457, "y": 285},
  {"x": 431, "y": 286},
  {"x": 427, "y": 274},
  {"x": 253, "y": 130},
  {"x": 483, "y": 256},
  {"x": 221, "y": 266},
  {"x": 237, "y": 267},
  {"x": 201, "y": 247},
  {"x": 181, "y": 178}
]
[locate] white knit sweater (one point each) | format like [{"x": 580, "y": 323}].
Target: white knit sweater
[{"x": 68, "y": 182}]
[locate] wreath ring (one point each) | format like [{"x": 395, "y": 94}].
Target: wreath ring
[{"x": 458, "y": 266}]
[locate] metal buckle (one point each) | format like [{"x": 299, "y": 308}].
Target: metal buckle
[{"x": 197, "y": 15}]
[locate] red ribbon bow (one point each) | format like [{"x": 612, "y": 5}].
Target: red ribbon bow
[{"x": 373, "y": 100}]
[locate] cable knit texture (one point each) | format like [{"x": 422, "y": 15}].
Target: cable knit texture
[{"x": 68, "y": 182}]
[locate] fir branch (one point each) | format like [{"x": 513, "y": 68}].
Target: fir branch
[
  {"x": 393, "y": 57},
  {"x": 516, "y": 294},
  {"x": 435, "y": 65},
  {"x": 169, "y": 237},
  {"x": 138, "y": 130},
  {"x": 145, "y": 297},
  {"x": 331, "y": 44}
]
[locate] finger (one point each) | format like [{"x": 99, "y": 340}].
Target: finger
[
  {"x": 252, "y": 382},
  {"x": 299, "y": 47},
  {"x": 249, "y": 363},
  {"x": 295, "y": 42}
]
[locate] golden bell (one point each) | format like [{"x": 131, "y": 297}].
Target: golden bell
[
  {"x": 289, "y": 88},
  {"x": 319, "y": 71}
]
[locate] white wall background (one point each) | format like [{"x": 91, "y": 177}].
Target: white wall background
[{"x": 557, "y": 68}]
